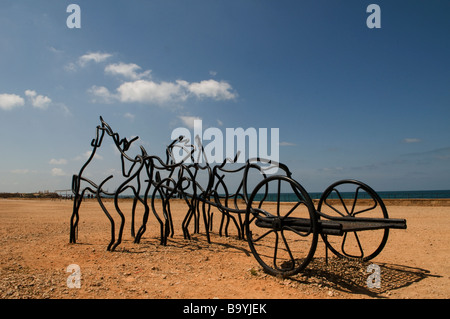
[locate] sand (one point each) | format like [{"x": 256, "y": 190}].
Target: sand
[{"x": 36, "y": 253}]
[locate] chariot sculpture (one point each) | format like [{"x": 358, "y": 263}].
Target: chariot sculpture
[{"x": 282, "y": 235}]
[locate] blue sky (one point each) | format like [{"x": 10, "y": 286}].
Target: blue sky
[{"x": 349, "y": 101}]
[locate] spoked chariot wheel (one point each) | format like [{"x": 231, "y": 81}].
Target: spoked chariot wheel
[
  {"x": 282, "y": 235},
  {"x": 358, "y": 208}
]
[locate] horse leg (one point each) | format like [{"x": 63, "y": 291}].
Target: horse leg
[
  {"x": 161, "y": 224},
  {"x": 74, "y": 221},
  {"x": 169, "y": 220},
  {"x": 221, "y": 223},
  {"x": 143, "y": 227},
  {"x": 111, "y": 220},
  {"x": 75, "y": 216},
  {"x": 122, "y": 223},
  {"x": 166, "y": 214},
  {"x": 133, "y": 212},
  {"x": 185, "y": 224},
  {"x": 76, "y": 205},
  {"x": 206, "y": 221}
]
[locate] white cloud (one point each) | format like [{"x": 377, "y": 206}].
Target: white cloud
[
  {"x": 38, "y": 101},
  {"x": 86, "y": 155},
  {"x": 64, "y": 108},
  {"x": 83, "y": 60},
  {"x": 70, "y": 67},
  {"x": 129, "y": 70},
  {"x": 10, "y": 101},
  {"x": 139, "y": 88},
  {"x": 102, "y": 94},
  {"x": 144, "y": 91},
  {"x": 54, "y": 50},
  {"x": 412, "y": 140},
  {"x": 286, "y": 144},
  {"x": 129, "y": 116},
  {"x": 60, "y": 161},
  {"x": 96, "y": 57},
  {"x": 58, "y": 172},
  {"x": 211, "y": 89},
  {"x": 151, "y": 92},
  {"x": 189, "y": 120}
]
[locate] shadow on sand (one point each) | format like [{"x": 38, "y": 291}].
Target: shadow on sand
[{"x": 351, "y": 276}]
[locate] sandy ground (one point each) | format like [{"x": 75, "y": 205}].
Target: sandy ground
[{"x": 35, "y": 255}]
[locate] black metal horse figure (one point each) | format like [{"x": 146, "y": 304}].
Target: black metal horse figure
[
  {"x": 165, "y": 180},
  {"x": 98, "y": 189},
  {"x": 149, "y": 166}
]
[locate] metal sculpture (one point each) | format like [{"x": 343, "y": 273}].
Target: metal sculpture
[{"x": 282, "y": 235}]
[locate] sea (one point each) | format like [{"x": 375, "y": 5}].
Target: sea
[
  {"x": 430, "y": 194},
  {"x": 424, "y": 194},
  {"x": 415, "y": 194}
]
